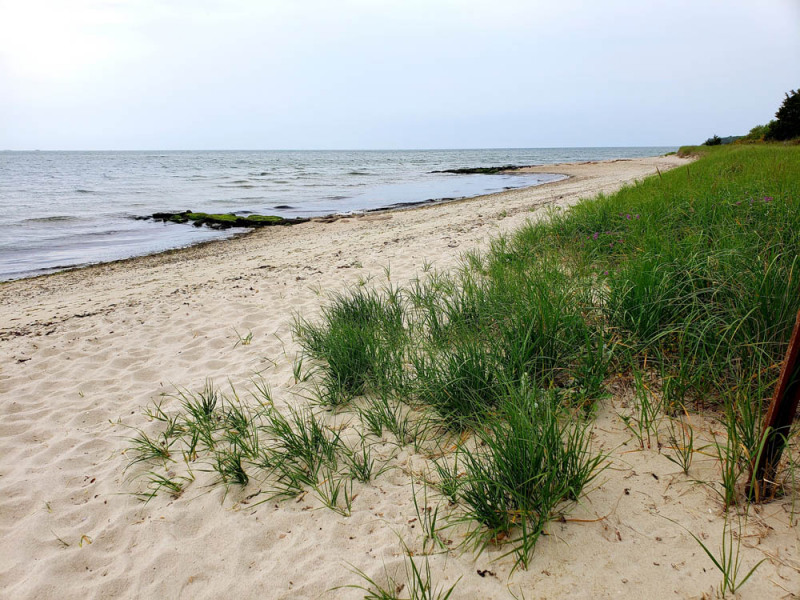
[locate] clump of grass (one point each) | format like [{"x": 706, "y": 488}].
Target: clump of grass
[
  {"x": 301, "y": 446},
  {"x": 361, "y": 463},
  {"x": 359, "y": 343},
  {"x": 145, "y": 449},
  {"x": 681, "y": 439},
  {"x": 645, "y": 421},
  {"x": 538, "y": 325},
  {"x": 287, "y": 453},
  {"x": 382, "y": 412},
  {"x": 157, "y": 482},
  {"x": 448, "y": 478},
  {"x": 531, "y": 460},
  {"x": 731, "y": 462},
  {"x": 429, "y": 522},
  {"x": 335, "y": 491},
  {"x": 229, "y": 465},
  {"x": 448, "y": 306},
  {"x": 597, "y": 353},
  {"x": 404, "y": 423},
  {"x": 461, "y": 384}
]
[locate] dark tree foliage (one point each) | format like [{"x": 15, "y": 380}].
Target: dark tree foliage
[
  {"x": 786, "y": 125},
  {"x": 713, "y": 141}
]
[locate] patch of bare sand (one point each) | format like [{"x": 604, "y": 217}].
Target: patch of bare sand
[{"x": 87, "y": 349}]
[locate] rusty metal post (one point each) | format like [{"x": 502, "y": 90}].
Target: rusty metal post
[{"x": 778, "y": 421}]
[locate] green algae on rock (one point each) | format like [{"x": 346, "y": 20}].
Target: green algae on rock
[
  {"x": 223, "y": 221},
  {"x": 482, "y": 170}
]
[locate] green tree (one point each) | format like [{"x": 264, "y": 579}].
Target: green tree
[
  {"x": 756, "y": 134},
  {"x": 786, "y": 125}
]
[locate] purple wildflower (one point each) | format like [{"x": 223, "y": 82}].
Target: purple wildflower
[
  {"x": 767, "y": 198},
  {"x": 628, "y": 217},
  {"x": 637, "y": 216},
  {"x": 595, "y": 235}
]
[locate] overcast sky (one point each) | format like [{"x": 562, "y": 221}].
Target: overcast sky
[{"x": 250, "y": 74}]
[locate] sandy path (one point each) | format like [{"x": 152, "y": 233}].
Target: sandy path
[{"x": 82, "y": 350}]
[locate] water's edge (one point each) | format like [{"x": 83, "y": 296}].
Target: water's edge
[
  {"x": 70, "y": 209},
  {"x": 232, "y": 234}
]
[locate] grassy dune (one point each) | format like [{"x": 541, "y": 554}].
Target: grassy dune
[{"x": 685, "y": 283}]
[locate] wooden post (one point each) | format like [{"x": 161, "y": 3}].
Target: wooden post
[{"x": 778, "y": 422}]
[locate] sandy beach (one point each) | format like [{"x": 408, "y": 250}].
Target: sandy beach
[{"x": 84, "y": 351}]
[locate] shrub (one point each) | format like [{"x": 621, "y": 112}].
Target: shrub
[
  {"x": 756, "y": 134},
  {"x": 787, "y": 120}
]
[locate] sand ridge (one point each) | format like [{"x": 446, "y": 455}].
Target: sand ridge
[{"x": 83, "y": 351}]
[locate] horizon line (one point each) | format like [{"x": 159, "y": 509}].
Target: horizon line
[{"x": 337, "y": 149}]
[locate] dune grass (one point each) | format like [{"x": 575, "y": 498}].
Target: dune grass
[
  {"x": 685, "y": 281},
  {"x": 684, "y": 284}
]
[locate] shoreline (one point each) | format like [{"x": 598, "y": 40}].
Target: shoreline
[
  {"x": 329, "y": 218},
  {"x": 422, "y": 204},
  {"x": 87, "y": 349}
]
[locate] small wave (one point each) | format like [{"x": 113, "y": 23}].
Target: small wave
[
  {"x": 336, "y": 197},
  {"x": 83, "y": 191},
  {"x": 359, "y": 173},
  {"x": 283, "y": 207}
]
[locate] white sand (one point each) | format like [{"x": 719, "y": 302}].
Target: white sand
[{"x": 84, "y": 350}]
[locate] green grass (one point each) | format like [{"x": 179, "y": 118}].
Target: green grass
[
  {"x": 251, "y": 443},
  {"x": 360, "y": 343},
  {"x": 728, "y": 560},
  {"x": 684, "y": 283},
  {"x": 530, "y": 461},
  {"x": 418, "y": 585}
]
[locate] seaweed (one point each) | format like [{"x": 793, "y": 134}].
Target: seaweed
[{"x": 222, "y": 221}]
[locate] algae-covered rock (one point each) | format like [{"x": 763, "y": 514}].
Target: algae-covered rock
[
  {"x": 223, "y": 221},
  {"x": 267, "y": 219},
  {"x": 481, "y": 170}
]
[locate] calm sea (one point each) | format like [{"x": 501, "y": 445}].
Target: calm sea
[{"x": 66, "y": 209}]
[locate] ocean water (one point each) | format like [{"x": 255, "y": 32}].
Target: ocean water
[{"x": 67, "y": 209}]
